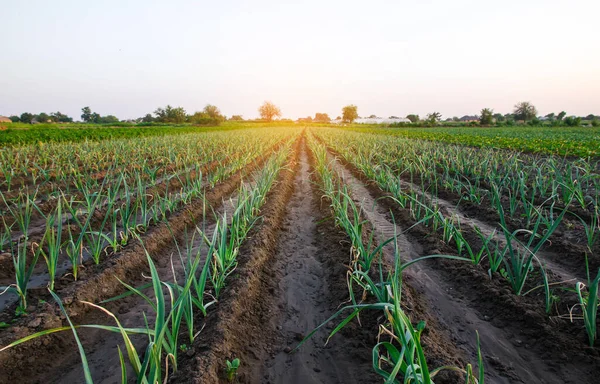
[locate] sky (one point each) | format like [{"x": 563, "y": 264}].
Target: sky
[{"x": 128, "y": 57}]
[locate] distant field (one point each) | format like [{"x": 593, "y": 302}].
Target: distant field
[
  {"x": 21, "y": 136},
  {"x": 561, "y": 141}
]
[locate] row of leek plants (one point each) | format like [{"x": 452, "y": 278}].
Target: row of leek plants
[
  {"x": 399, "y": 352},
  {"x": 193, "y": 291},
  {"x": 224, "y": 149},
  {"x": 64, "y": 165}
]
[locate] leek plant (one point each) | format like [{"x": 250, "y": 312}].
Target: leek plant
[
  {"x": 589, "y": 302},
  {"x": 50, "y": 246},
  {"x": 224, "y": 256},
  {"x": 23, "y": 271},
  {"x": 4, "y": 234},
  {"x": 518, "y": 258},
  {"x": 244, "y": 217},
  {"x": 592, "y": 229}
]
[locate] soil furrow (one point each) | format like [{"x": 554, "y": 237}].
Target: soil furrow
[{"x": 311, "y": 286}]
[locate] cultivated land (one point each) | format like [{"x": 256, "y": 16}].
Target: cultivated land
[{"x": 167, "y": 257}]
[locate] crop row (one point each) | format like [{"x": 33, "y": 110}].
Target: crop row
[
  {"x": 63, "y": 165},
  {"x": 511, "y": 255},
  {"x": 372, "y": 286}
]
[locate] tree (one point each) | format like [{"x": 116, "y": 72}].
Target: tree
[
  {"x": 237, "y": 118},
  {"x": 525, "y": 111},
  {"x": 487, "y": 116},
  {"x": 434, "y": 117},
  {"x": 573, "y": 121},
  {"x": 170, "y": 115},
  {"x": 15, "y": 119},
  {"x": 209, "y": 115},
  {"x": 551, "y": 116},
  {"x": 349, "y": 113},
  {"x": 42, "y": 117},
  {"x": 561, "y": 116},
  {"x": 393, "y": 117},
  {"x": 321, "y": 118},
  {"x": 373, "y": 117},
  {"x": 590, "y": 117},
  {"x": 213, "y": 112},
  {"x": 499, "y": 117},
  {"x": 86, "y": 114},
  {"x": 58, "y": 117},
  {"x": 26, "y": 117},
  {"x": 110, "y": 119},
  {"x": 177, "y": 115},
  {"x": 413, "y": 118},
  {"x": 148, "y": 118},
  {"x": 95, "y": 118},
  {"x": 268, "y": 111}
]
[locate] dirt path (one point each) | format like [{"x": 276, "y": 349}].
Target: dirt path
[
  {"x": 508, "y": 358},
  {"x": 291, "y": 277},
  {"x": 305, "y": 298}
]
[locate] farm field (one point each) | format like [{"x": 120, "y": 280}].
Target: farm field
[
  {"x": 561, "y": 141},
  {"x": 302, "y": 254}
]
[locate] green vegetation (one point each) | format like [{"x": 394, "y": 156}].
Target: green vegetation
[
  {"x": 83, "y": 132},
  {"x": 562, "y": 141}
]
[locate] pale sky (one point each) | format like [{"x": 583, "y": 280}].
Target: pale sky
[{"x": 388, "y": 57}]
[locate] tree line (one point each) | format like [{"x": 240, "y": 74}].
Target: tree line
[
  {"x": 31, "y": 118},
  {"x": 209, "y": 115},
  {"x": 523, "y": 113}
]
